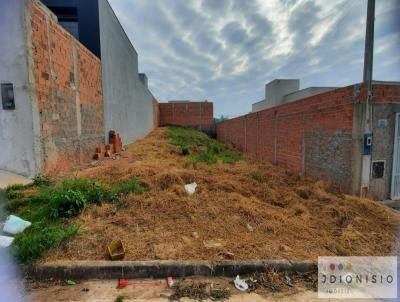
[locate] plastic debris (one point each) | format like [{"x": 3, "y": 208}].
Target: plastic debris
[
  {"x": 240, "y": 284},
  {"x": 6, "y": 241},
  {"x": 191, "y": 188},
  {"x": 170, "y": 281},
  {"x": 288, "y": 281},
  {"x": 250, "y": 228},
  {"x": 15, "y": 225},
  {"x": 213, "y": 243},
  {"x": 116, "y": 250},
  {"x": 70, "y": 282},
  {"x": 122, "y": 283}
]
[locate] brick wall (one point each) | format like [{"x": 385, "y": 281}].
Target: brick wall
[
  {"x": 312, "y": 135},
  {"x": 68, "y": 89},
  {"x": 385, "y": 93},
  {"x": 195, "y": 114}
]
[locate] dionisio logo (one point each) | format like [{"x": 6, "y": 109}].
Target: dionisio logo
[{"x": 357, "y": 277}]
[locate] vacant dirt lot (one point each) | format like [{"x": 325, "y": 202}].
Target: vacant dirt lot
[{"x": 244, "y": 210}]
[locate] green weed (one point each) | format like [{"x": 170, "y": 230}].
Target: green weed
[
  {"x": 187, "y": 137},
  {"x": 132, "y": 185},
  {"x": 42, "y": 181},
  {"x": 49, "y": 207},
  {"x": 190, "y": 139},
  {"x": 119, "y": 298},
  {"x": 39, "y": 238}
]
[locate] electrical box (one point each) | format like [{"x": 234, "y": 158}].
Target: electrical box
[
  {"x": 7, "y": 96},
  {"x": 378, "y": 168},
  {"x": 367, "y": 144}
]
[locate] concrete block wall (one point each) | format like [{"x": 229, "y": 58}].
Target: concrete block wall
[
  {"x": 194, "y": 114},
  {"x": 128, "y": 104},
  {"x": 386, "y": 103},
  {"x": 312, "y": 135},
  {"x": 20, "y": 148},
  {"x": 156, "y": 113},
  {"x": 68, "y": 90}
]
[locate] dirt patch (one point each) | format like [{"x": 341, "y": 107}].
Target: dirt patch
[{"x": 255, "y": 209}]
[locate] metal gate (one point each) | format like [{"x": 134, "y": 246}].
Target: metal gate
[{"x": 395, "y": 189}]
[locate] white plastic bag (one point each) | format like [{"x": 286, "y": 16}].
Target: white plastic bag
[
  {"x": 15, "y": 225},
  {"x": 240, "y": 284},
  {"x": 191, "y": 188},
  {"x": 6, "y": 241}
]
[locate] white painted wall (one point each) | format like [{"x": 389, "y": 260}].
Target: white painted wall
[
  {"x": 17, "y": 152},
  {"x": 128, "y": 105}
]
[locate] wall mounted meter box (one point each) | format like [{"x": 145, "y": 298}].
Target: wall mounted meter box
[
  {"x": 7, "y": 96},
  {"x": 367, "y": 144}
]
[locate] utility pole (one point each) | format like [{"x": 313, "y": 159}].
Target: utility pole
[
  {"x": 369, "y": 43},
  {"x": 367, "y": 80}
]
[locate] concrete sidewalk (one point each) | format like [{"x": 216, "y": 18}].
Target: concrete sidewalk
[
  {"x": 156, "y": 291},
  {"x": 8, "y": 178}
]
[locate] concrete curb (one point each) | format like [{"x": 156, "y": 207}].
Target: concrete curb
[{"x": 157, "y": 269}]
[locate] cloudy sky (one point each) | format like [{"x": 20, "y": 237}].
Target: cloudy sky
[{"x": 226, "y": 50}]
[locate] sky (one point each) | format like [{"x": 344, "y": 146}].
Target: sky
[{"x": 225, "y": 51}]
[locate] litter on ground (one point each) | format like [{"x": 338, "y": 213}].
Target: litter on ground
[
  {"x": 122, "y": 283},
  {"x": 70, "y": 282},
  {"x": 6, "y": 241},
  {"x": 240, "y": 284},
  {"x": 15, "y": 225},
  {"x": 170, "y": 281},
  {"x": 191, "y": 188}
]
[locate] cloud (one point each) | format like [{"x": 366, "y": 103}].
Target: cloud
[{"x": 226, "y": 50}]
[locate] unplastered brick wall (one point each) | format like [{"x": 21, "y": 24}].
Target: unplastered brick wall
[
  {"x": 67, "y": 85},
  {"x": 194, "y": 114},
  {"x": 385, "y": 93},
  {"x": 312, "y": 135}
]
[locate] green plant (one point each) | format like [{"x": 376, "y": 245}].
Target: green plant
[
  {"x": 185, "y": 136},
  {"x": 132, "y": 185},
  {"x": 16, "y": 187},
  {"x": 119, "y": 298},
  {"x": 13, "y": 204},
  {"x": 39, "y": 238},
  {"x": 94, "y": 192},
  {"x": 48, "y": 207},
  {"x": 190, "y": 139},
  {"x": 66, "y": 203},
  {"x": 42, "y": 181},
  {"x": 11, "y": 194},
  {"x": 185, "y": 151}
]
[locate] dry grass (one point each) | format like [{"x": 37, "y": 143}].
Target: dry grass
[{"x": 255, "y": 210}]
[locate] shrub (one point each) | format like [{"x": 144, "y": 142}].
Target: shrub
[
  {"x": 66, "y": 203},
  {"x": 42, "y": 181}
]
